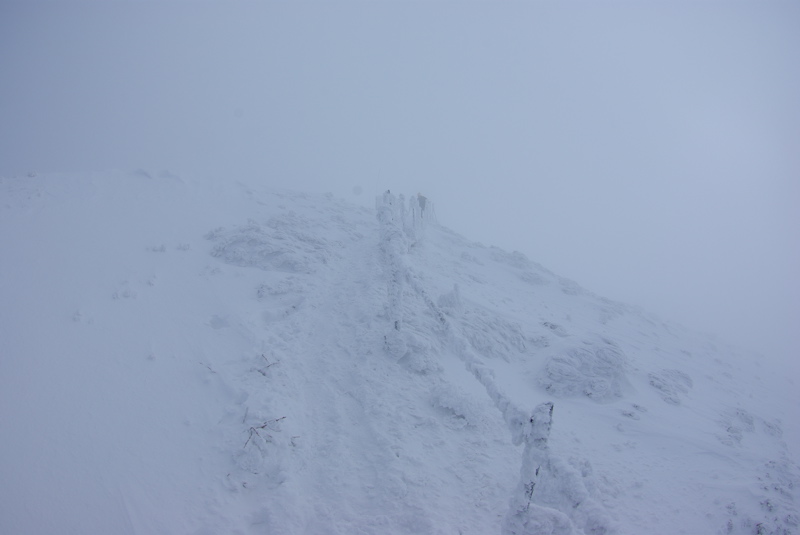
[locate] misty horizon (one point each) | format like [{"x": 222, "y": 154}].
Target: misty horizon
[{"x": 649, "y": 152}]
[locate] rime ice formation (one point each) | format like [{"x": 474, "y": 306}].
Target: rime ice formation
[{"x": 183, "y": 356}]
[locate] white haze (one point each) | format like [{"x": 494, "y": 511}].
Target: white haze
[{"x": 650, "y": 151}]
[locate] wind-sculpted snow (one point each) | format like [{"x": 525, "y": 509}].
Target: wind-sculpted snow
[
  {"x": 280, "y": 244},
  {"x": 393, "y": 245},
  {"x": 595, "y": 369},
  {"x": 312, "y": 367},
  {"x": 493, "y": 336},
  {"x": 671, "y": 384},
  {"x": 458, "y": 407}
]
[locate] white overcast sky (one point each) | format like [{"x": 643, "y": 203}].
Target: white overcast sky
[{"x": 648, "y": 150}]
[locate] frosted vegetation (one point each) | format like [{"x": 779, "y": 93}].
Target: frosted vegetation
[{"x": 202, "y": 358}]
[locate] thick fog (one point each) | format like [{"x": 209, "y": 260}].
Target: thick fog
[{"x": 651, "y": 152}]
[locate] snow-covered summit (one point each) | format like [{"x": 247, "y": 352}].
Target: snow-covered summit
[{"x": 181, "y": 356}]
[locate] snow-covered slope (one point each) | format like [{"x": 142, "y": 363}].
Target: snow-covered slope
[{"x": 183, "y": 356}]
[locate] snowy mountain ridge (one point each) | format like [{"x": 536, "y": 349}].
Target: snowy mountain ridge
[{"x": 187, "y": 356}]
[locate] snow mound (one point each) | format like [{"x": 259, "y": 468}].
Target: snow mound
[
  {"x": 491, "y": 335},
  {"x": 459, "y": 409},
  {"x": 280, "y": 245},
  {"x": 595, "y": 370}
]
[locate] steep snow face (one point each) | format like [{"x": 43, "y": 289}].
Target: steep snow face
[{"x": 190, "y": 357}]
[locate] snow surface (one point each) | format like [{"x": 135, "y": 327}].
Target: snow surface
[{"x": 203, "y": 357}]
